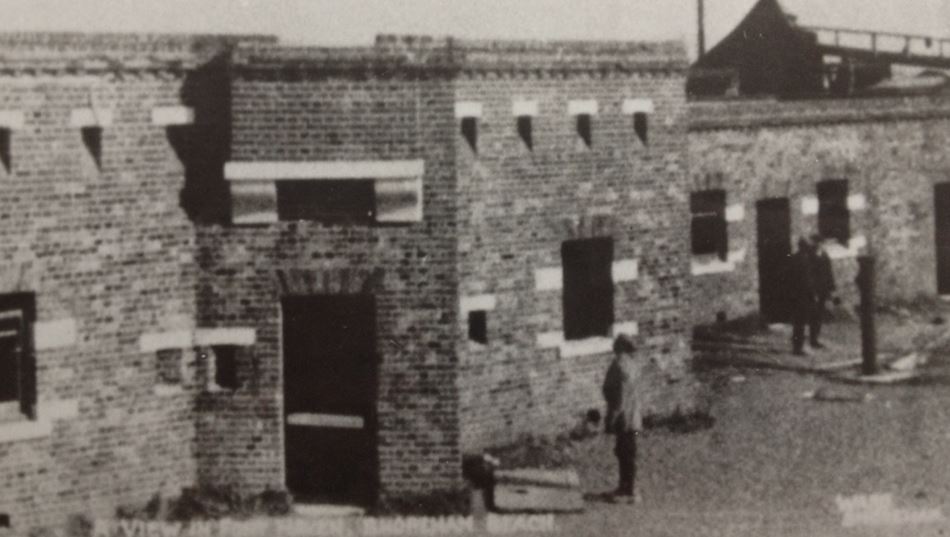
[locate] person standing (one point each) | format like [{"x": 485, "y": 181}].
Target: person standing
[
  {"x": 623, "y": 418},
  {"x": 824, "y": 287},
  {"x": 801, "y": 276}
]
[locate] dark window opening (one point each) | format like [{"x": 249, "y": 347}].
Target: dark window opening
[
  {"x": 708, "y": 228},
  {"x": 525, "y": 131},
  {"x": 834, "y": 219},
  {"x": 92, "y": 139},
  {"x": 4, "y": 521},
  {"x": 17, "y": 363},
  {"x": 470, "y": 132},
  {"x": 640, "y": 126},
  {"x": 334, "y": 201},
  {"x": 5, "y": 156},
  {"x": 169, "y": 365},
  {"x": 225, "y": 366},
  {"x": 584, "y": 128},
  {"x": 588, "y": 287},
  {"x": 478, "y": 326}
]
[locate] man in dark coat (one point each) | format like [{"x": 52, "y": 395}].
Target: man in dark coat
[
  {"x": 801, "y": 278},
  {"x": 621, "y": 392},
  {"x": 824, "y": 287}
]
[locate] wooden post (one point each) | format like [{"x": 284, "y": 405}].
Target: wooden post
[
  {"x": 701, "y": 31},
  {"x": 865, "y": 281}
]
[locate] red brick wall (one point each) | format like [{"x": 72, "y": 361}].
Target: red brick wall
[
  {"x": 111, "y": 250},
  {"x": 517, "y": 207},
  {"x": 411, "y": 269},
  {"x": 891, "y": 150}
]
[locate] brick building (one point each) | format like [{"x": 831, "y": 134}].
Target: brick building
[
  {"x": 867, "y": 174},
  {"x": 232, "y": 263}
]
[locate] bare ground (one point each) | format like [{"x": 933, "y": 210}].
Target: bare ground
[{"x": 774, "y": 461}]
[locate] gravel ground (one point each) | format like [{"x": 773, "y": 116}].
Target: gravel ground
[{"x": 774, "y": 462}]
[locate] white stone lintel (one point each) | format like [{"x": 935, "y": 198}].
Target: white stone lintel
[
  {"x": 634, "y": 106},
  {"x": 524, "y": 108},
  {"x": 90, "y": 117},
  {"x": 585, "y": 106},
  {"x": 253, "y": 202},
  {"x": 18, "y": 431},
  {"x": 167, "y": 390},
  {"x": 857, "y": 202},
  {"x": 239, "y": 336},
  {"x": 629, "y": 328},
  {"x": 587, "y": 346},
  {"x": 704, "y": 265},
  {"x": 836, "y": 250},
  {"x": 548, "y": 279},
  {"x": 549, "y": 340},
  {"x": 54, "y": 334},
  {"x": 58, "y": 409},
  {"x": 735, "y": 212},
  {"x": 12, "y": 119},
  {"x": 583, "y": 347},
  {"x": 625, "y": 270},
  {"x": 173, "y": 115},
  {"x": 809, "y": 205},
  {"x": 174, "y": 339},
  {"x": 316, "y": 170},
  {"x": 477, "y": 303},
  {"x": 465, "y": 109}
]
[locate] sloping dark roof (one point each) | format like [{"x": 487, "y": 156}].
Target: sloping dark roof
[{"x": 768, "y": 54}]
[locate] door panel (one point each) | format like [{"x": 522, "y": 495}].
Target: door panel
[
  {"x": 330, "y": 397},
  {"x": 773, "y": 235}
]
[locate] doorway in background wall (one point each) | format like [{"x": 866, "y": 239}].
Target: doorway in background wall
[
  {"x": 774, "y": 243},
  {"x": 942, "y": 236},
  {"x": 330, "y": 368}
]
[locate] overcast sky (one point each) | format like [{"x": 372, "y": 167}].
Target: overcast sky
[{"x": 357, "y": 21}]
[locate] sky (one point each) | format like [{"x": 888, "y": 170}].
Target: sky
[{"x": 336, "y": 22}]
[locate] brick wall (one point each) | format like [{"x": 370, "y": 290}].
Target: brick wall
[
  {"x": 891, "y": 151},
  {"x": 410, "y": 268},
  {"x": 107, "y": 253},
  {"x": 516, "y": 208}
]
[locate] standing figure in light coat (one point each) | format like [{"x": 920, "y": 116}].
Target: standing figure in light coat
[{"x": 623, "y": 414}]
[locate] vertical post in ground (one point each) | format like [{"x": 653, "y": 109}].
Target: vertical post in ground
[{"x": 865, "y": 283}]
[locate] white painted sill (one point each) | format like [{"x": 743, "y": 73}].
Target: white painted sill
[
  {"x": 586, "y": 347},
  {"x": 713, "y": 264},
  {"x": 22, "y": 430},
  {"x": 168, "y": 390},
  {"x": 836, "y": 250},
  {"x": 704, "y": 265}
]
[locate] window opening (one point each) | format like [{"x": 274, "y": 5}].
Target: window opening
[
  {"x": 640, "y": 126},
  {"x": 588, "y": 299},
  {"x": 332, "y": 201},
  {"x": 525, "y": 131},
  {"x": 584, "y": 128},
  {"x": 92, "y": 139},
  {"x": 470, "y": 132},
  {"x": 478, "y": 326},
  {"x": 834, "y": 218}
]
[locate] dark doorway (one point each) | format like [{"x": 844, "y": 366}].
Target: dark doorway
[
  {"x": 942, "y": 235},
  {"x": 774, "y": 241},
  {"x": 330, "y": 398}
]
